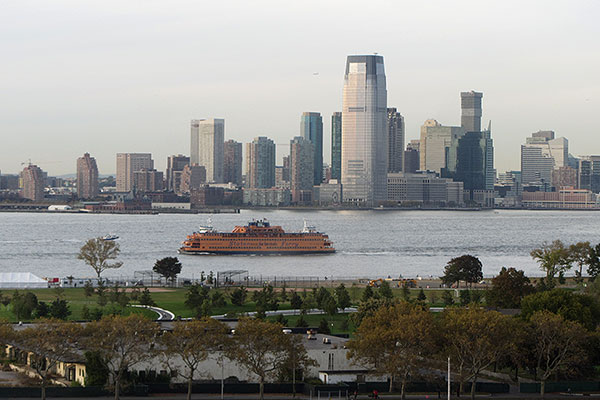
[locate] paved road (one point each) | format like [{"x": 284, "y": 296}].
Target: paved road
[{"x": 163, "y": 315}]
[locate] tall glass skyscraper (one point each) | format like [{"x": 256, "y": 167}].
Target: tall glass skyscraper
[
  {"x": 364, "y": 131},
  {"x": 336, "y": 146},
  {"x": 311, "y": 129}
]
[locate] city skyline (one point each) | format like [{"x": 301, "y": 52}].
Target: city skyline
[{"x": 131, "y": 72}]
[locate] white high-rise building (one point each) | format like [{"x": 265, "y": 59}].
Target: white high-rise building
[
  {"x": 207, "y": 142},
  {"x": 541, "y": 154},
  {"x": 364, "y": 131}
]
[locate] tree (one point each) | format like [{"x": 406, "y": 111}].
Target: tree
[
  {"x": 145, "y": 298},
  {"x": 121, "y": 343},
  {"x": 191, "y": 343},
  {"x": 322, "y": 296},
  {"x": 324, "y": 327},
  {"x": 283, "y": 294},
  {"x": 297, "y": 358},
  {"x": 330, "y": 306},
  {"x": 367, "y": 293},
  {"x": 553, "y": 259},
  {"x": 59, "y": 309},
  {"x": 405, "y": 293},
  {"x": 88, "y": 288},
  {"x": 571, "y": 306},
  {"x": 101, "y": 292},
  {"x": 464, "y": 268},
  {"x": 260, "y": 347},
  {"x": 579, "y": 253},
  {"x": 385, "y": 291},
  {"x": 168, "y": 267},
  {"x": 367, "y": 308},
  {"x": 217, "y": 299},
  {"x": 464, "y": 297},
  {"x": 508, "y": 288},
  {"x": 195, "y": 297},
  {"x": 97, "y": 253},
  {"x": 295, "y": 301},
  {"x": 96, "y": 372},
  {"x": 265, "y": 299},
  {"x": 421, "y": 296},
  {"x": 395, "y": 341},
  {"x": 447, "y": 298},
  {"x": 593, "y": 262},
  {"x": 23, "y": 304},
  {"x": 558, "y": 343},
  {"x": 301, "y": 322},
  {"x": 476, "y": 338},
  {"x": 42, "y": 310},
  {"x": 48, "y": 343},
  {"x": 342, "y": 297},
  {"x": 238, "y": 296}
]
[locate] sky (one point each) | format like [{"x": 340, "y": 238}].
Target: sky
[{"x": 128, "y": 76}]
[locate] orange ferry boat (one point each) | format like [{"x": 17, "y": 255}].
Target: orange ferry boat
[{"x": 258, "y": 237}]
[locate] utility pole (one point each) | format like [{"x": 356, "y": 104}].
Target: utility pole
[{"x": 448, "y": 378}]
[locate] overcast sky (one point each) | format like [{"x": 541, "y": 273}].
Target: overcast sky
[{"x": 127, "y": 76}]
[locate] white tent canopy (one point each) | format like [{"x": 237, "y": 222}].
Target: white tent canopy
[{"x": 21, "y": 280}]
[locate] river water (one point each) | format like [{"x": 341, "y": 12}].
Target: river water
[{"x": 368, "y": 243}]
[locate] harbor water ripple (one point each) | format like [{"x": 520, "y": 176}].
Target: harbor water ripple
[{"x": 368, "y": 243}]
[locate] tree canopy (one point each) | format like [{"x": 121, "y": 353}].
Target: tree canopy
[
  {"x": 121, "y": 343},
  {"x": 395, "y": 341},
  {"x": 192, "y": 342},
  {"x": 466, "y": 268},
  {"x": 168, "y": 267},
  {"x": 571, "y": 306},
  {"x": 97, "y": 253},
  {"x": 554, "y": 259},
  {"x": 261, "y": 347},
  {"x": 508, "y": 288}
]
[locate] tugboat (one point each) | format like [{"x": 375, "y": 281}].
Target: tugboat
[{"x": 258, "y": 237}]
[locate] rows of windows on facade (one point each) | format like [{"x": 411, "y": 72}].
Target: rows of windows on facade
[{"x": 370, "y": 163}]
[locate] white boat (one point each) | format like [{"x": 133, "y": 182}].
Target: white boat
[{"x": 110, "y": 236}]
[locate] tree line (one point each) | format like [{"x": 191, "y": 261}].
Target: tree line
[{"x": 117, "y": 344}]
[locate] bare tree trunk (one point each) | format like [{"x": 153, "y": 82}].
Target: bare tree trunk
[
  {"x": 473, "y": 385},
  {"x": 391, "y": 388},
  {"x": 403, "y": 389},
  {"x": 43, "y": 388},
  {"x": 117, "y": 383},
  {"x": 262, "y": 388},
  {"x": 543, "y": 388},
  {"x": 190, "y": 380}
]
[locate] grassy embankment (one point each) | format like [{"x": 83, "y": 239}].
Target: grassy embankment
[{"x": 174, "y": 301}]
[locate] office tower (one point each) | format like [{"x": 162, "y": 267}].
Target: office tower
[
  {"x": 541, "y": 154},
  {"x": 557, "y": 148},
  {"x": 364, "y": 131},
  {"x": 470, "y": 157},
  {"x": 564, "y": 177},
  {"x": 301, "y": 170},
  {"x": 285, "y": 173},
  {"x": 470, "y": 104},
  {"x": 396, "y": 140},
  {"x": 33, "y": 183},
  {"x": 436, "y": 139},
  {"x": 87, "y": 177},
  {"x": 336, "y": 146},
  {"x": 232, "y": 162},
  {"x": 147, "y": 180},
  {"x": 588, "y": 173},
  {"x": 127, "y": 164},
  {"x": 411, "y": 157},
  {"x": 260, "y": 163},
  {"x": 207, "y": 147},
  {"x": 193, "y": 177},
  {"x": 311, "y": 129},
  {"x": 175, "y": 165}
]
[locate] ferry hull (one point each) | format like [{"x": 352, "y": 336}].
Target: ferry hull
[{"x": 250, "y": 252}]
